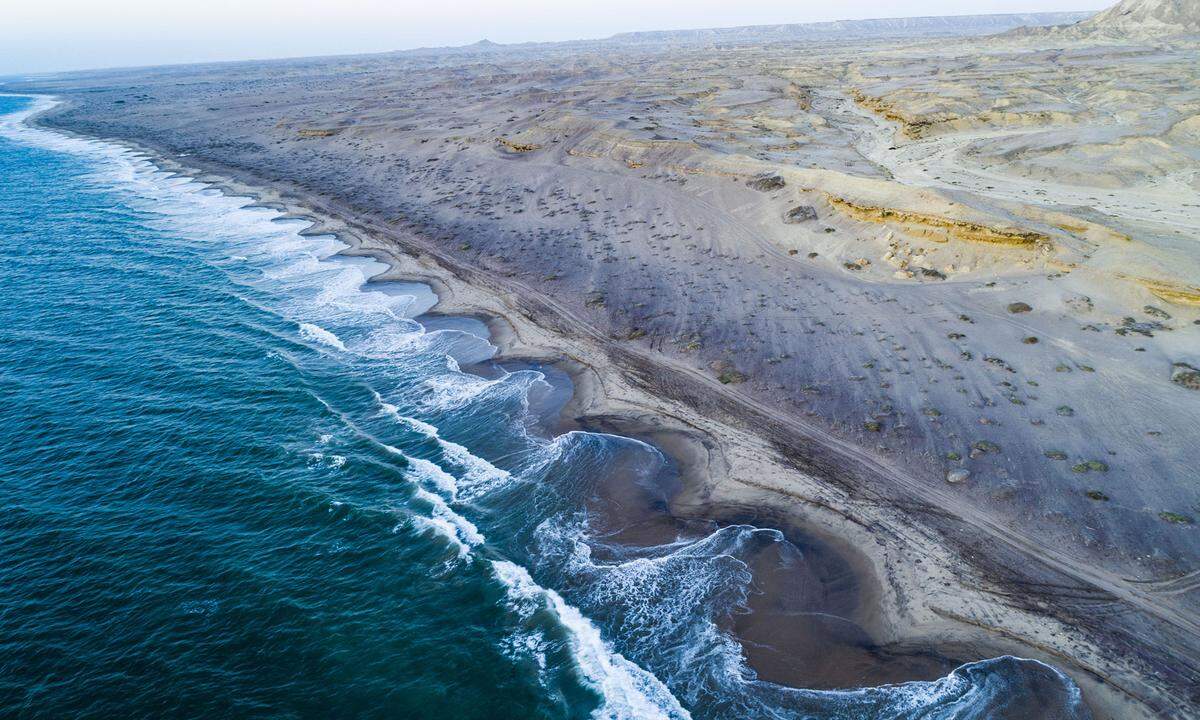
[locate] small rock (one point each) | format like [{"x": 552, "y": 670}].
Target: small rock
[
  {"x": 1185, "y": 375},
  {"x": 1019, "y": 307},
  {"x": 799, "y": 214},
  {"x": 766, "y": 183},
  {"x": 1082, "y": 303},
  {"x": 1176, "y": 518},
  {"x": 1007, "y": 492},
  {"x": 1129, "y": 325},
  {"x": 957, "y": 476}
]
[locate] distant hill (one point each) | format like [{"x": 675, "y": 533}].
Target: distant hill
[
  {"x": 903, "y": 28},
  {"x": 883, "y": 27},
  {"x": 1132, "y": 19},
  {"x": 485, "y": 44},
  {"x": 1146, "y": 17}
]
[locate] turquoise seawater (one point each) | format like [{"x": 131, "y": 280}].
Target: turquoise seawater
[{"x": 238, "y": 480}]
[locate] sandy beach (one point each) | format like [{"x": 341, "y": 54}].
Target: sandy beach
[{"x": 844, "y": 285}]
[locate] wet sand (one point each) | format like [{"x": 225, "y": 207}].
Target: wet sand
[{"x": 799, "y": 625}]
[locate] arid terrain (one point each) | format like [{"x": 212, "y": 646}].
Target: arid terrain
[{"x": 936, "y": 298}]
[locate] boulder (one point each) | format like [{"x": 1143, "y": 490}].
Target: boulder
[
  {"x": 799, "y": 214},
  {"x": 1185, "y": 375},
  {"x": 767, "y": 183}
]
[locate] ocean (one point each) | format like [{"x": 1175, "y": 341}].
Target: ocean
[{"x": 241, "y": 480}]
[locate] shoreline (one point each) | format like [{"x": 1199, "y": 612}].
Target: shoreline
[{"x": 716, "y": 483}]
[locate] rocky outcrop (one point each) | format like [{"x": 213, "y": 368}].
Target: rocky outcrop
[
  {"x": 1146, "y": 17},
  {"x": 767, "y": 183},
  {"x": 1137, "y": 19},
  {"x": 1185, "y": 375},
  {"x": 916, "y": 125},
  {"x": 516, "y": 147},
  {"x": 316, "y": 132},
  {"x": 800, "y": 214},
  {"x": 1172, "y": 292},
  {"x": 939, "y": 228}
]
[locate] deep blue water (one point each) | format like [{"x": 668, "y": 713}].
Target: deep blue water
[{"x": 237, "y": 481}]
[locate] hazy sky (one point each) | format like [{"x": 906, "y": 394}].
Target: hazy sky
[{"x": 44, "y": 35}]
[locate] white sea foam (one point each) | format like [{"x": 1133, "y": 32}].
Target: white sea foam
[
  {"x": 479, "y": 475},
  {"x": 449, "y": 524},
  {"x": 445, "y": 492},
  {"x": 667, "y": 598},
  {"x": 457, "y": 347},
  {"x": 433, "y": 474},
  {"x": 326, "y": 459},
  {"x": 628, "y": 690},
  {"x": 320, "y": 335},
  {"x": 442, "y": 520},
  {"x": 451, "y": 391}
]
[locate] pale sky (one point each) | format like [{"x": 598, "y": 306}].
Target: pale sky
[{"x": 47, "y": 35}]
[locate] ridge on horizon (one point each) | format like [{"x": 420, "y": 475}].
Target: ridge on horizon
[
  {"x": 873, "y": 26},
  {"x": 915, "y": 27}
]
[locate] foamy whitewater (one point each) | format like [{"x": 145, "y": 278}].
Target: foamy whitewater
[{"x": 240, "y": 479}]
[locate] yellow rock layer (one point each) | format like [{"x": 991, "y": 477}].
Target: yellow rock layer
[
  {"x": 1171, "y": 292},
  {"x": 316, "y": 133},
  {"x": 920, "y": 126},
  {"x": 910, "y": 126},
  {"x": 939, "y": 228},
  {"x": 517, "y": 147}
]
